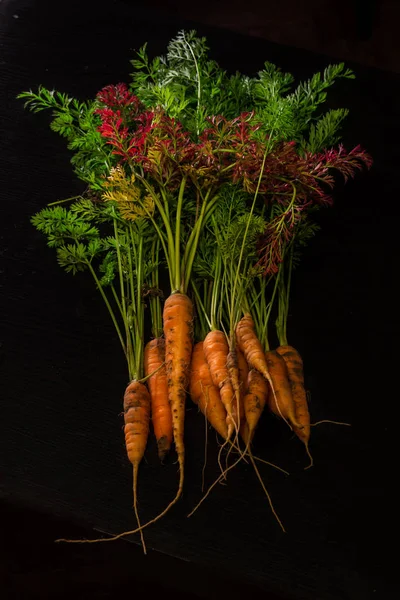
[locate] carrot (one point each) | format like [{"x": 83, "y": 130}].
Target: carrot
[
  {"x": 205, "y": 394},
  {"x": 254, "y": 400},
  {"x": 232, "y": 364},
  {"x": 250, "y": 345},
  {"x": 243, "y": 374},
  {"x": 154, "y": 357},
  {"x": 294, "y": 366},
  {"x": 136, "y": 416},
  {"x": 283, "y": 403},
  {"x": 178, "y": 326},
  {"x": 216, "y": 351},
  {"x": 253, "y": 351}
]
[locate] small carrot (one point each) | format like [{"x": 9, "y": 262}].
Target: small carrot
[
  {"x": 216, "y": 351},
  {"x": 282, "y": 404},
  {"x": 232, "y": 364},
  {"x": 178, "y": 329},
  {"x": 253, "y": 351},
  {"x": 250, "y": 345},
  {"x": 243, "y": 374},
  {"x": 294, "y": 366},
  {"x": 205, "y": 394},
  {"x": 254, "y": 401},
  {"x": 136, "y": 416},
  {"x": 154, "y": 357}
]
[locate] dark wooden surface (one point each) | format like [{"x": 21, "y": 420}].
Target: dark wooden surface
[{"x": 62, "y": 373}]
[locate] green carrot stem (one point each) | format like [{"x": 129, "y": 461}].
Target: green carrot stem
[
  {"x": 169, "y": 250},
  {"x": 109, "y": 308},
  {"x": 178, "y": 282},
  {"x": 204, "y": 322}
]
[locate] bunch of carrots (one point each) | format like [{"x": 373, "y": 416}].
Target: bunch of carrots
[{"x": 212, "y": 179}]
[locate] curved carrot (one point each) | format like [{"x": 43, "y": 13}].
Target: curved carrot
[
  {"x": 284, "y": 405},
  {"x": 178, "y": 329},
  {"x": 136, "y": 416},
  {"x": 216, "y": 351},
  {"x": 294, "y": 364},
  {"x": 251, "y": 347},
  {"x": 154, "y": 357},
  {"x": 205, "y": 394}
]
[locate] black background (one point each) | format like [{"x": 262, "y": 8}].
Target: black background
[{"x": 62, "y": 372}]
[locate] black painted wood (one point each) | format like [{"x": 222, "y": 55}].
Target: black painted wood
[{"x": 62, "y": 374}]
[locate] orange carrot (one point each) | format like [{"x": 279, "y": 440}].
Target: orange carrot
[
  {"x": 294, "y": 366},
  {"x": 243, "y": 374},
  {"x": 252, "y": 349},
  {"x": 254, "y": 400},
  {"x": 178, "y": 326},
  {"x": 205, "y": 394},
  {"x": 136, "y": 416},
  {"x": 283, "y": 403},
  {"x": 232, "y": 364},
  {"x": 216, "y": 351},
  {"x": 250, "y": 345},
  {"x": 154, "y": 357}
]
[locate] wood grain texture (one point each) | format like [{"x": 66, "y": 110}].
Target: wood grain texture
[{"x": 59, "y": 357}]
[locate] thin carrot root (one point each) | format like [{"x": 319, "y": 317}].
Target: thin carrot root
[
  {"x": 329, "y": 421},
  {"x": 220, "y": 478},
  {"x": 266, "y": 462},
  {"x": 309, "y": 456},
  {"x": 135, "y": 478},
  {"x": 138, "y": 529},
  {"x": 266, "y": 492}
]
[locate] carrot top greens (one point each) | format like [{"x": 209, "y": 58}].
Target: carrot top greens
[{"x": 224, "y": 170}]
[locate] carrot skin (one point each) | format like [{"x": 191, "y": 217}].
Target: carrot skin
[
  {"x": 136, "y": 416},
  {"x": 205, "y": 394},
  {"x": 216, "y": 351},
  {"x": 282, "y": 404},
  {"x": 250, "y": 345},
  {"x": 294, "y": 364},
  {"x": 178, "y": 331},
  {"x": 232, "y": 364},
  {"x": 243, "y": 375},
  {"x": 255, "y": 399},
  {"x": 154, "y": 357}
]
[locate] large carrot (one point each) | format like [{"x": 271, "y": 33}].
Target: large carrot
[
  {"x": 216, "y": 351},
  {"x": 154, "y": 368},
  {"x": 205, "y": 394},
  {"x": 136, "y": 416},
  {"x": 284, "y": 405},
  {"x": 178, "y": 330},
  {"x": 294, "y": 364}
]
